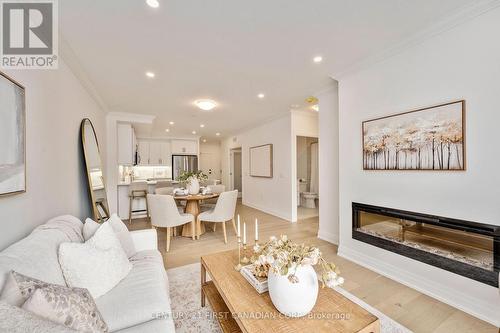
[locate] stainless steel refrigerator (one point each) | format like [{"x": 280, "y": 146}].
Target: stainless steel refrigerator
[{"x": 181, "y": 163}]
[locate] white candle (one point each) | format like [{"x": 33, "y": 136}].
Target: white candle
[
  {"x": 244, "y": 233},
  {"x": 239, "y": 235},
  {"x": 256, "y": 230}
]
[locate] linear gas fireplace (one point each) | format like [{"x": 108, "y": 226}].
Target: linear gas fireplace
[{"x": 467, "y": 248}]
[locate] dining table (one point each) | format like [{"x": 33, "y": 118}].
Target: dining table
[{"x": 193, "y": 207}]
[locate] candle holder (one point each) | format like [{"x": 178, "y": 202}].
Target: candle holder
[
  {"x": 238, "y": 266},
  {"x": 245, "y": 260},
  {"x": 254, "y": 256}
]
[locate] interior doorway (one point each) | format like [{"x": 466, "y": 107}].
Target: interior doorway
[
  {"x": 307, "y": 190},
  {"x": 236, "y": 173}
]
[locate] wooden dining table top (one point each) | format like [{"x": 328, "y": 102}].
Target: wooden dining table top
[{"x": 196, "y": 196}]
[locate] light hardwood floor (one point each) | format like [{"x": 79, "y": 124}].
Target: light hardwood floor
[{"x": 409, "y": 307}]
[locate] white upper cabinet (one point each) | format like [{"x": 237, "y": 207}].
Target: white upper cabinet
[
  {"x": 186, "y": 147},
  {"x": 126, "y": 144},
  {"x": 165, "y": 153},
  {"x": 154, "y": 152},
  {"x": 143, "y": 152}
]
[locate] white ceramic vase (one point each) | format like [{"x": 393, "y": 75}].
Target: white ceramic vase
[
  {"x": 193, "y": 186},
  {"x": 294, "y": 299}
]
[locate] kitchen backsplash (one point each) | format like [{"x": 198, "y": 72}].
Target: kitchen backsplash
[{"x": 147, "y": 172}]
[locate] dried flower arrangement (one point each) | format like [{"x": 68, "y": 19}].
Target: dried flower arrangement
[{"x": 284, "y": 256}]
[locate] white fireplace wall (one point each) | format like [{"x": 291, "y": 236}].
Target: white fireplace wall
[{"x": 462, "y": 63}]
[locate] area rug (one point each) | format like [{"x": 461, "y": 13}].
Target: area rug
[{"x": 190, "y": 317}]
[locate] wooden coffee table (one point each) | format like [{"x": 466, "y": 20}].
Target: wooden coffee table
[{"x": 239, "y": 308}]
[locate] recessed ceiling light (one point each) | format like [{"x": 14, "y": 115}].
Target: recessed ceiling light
[
  {"x": 202, "y": 125},
  {"x": 318, "y": 59},
  {"x": 167, "y": 130},
  {"x": 261, "y": 95},
  {"x": 218, "y": 134},
  {"x": 153, "y": 3},
  {"x": 150, "y": 75},
  {"x": 194, "y": 132},
  {"x": 171, "y": 122},
  {"x": 205, "y": 104},
  {"x": 315, "y": 107},
  {"x": 294, "y": 106},
  {"x": 204, "y": 140}
]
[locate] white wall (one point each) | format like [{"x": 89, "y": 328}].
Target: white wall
[
  {"x": 329, "y": 164},
  {"x": 56, "y": 103},
  {"x": 271, "y": 195},
  {"x": 210, "y": 157},
  {"x": 460, "y": 63}
]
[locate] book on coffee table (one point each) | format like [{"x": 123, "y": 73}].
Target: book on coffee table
[{"x": 260, "y": 284}]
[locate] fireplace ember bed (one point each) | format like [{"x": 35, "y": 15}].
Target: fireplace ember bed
[{"x": 466, "y": 248}]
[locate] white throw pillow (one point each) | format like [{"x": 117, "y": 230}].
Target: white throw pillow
[
  {"x": 99, "y": 264},
  {"x": 120, "y": 229}
]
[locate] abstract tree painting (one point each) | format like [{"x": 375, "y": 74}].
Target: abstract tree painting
[{"x": 427, "y": 139}]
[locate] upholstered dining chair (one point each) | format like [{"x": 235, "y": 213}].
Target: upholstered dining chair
[
  {"x": 164, "y": 190},
  {"x": 164, "y": 214},
  {"x": 224, "y": 211},
  {"x": 210, "y": 203}
]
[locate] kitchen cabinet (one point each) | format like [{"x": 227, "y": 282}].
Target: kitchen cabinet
[
  {"x": 143, "y": 152},
  {"x": 126, "y": 144},
  {"x": 154, "y": 152},
  {"x": 187, "y": 147}
]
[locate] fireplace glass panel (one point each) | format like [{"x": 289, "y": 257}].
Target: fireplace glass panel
[{"x": 467, "y": 247}]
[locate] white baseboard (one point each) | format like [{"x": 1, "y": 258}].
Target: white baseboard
[
  {"x": 329, "y": 237},
  {"x": 467, "y": 303},
  {"x": 268, "y": 211}
]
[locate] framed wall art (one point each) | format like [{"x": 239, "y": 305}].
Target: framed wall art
[
  {"x": 12, "y": 137},
  {"x": 431, "y": 138}
]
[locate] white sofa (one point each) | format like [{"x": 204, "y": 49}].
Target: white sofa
[{"x": 139, "y": 303}]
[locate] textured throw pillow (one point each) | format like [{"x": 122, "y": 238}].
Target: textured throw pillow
[
  {"x": 89, "y": 228},
  {"x": 99, "y": 264},
  {"x": 71, "y": 307},
  {"x": 120, "y": 229}
]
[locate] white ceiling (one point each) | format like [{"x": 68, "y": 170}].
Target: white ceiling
[{"x": 229, "y": 51}]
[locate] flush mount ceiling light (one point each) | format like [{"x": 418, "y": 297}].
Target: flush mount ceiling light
[
  {"x": 218, "y": 134},
  {"x": 205, "y": 104},
  {"x": 318, "y": 59},
  {"x": 171, "y": 122},
  {"x": 261, "y": 95},
  {"x": 153, "y": 3},
  {"x": 194, "y": 132},
  {"x": 150, "y": 75},
  {"x": 312, "y": 100},
  {"x": 202, "y": 125}
]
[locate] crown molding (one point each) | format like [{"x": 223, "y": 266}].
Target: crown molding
[
  {"x": 128, "y": 117},
  {"x": 454, "y": 19},
  {"x": 71, "y": 60}
]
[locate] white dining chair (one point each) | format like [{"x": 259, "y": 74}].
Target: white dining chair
[
  {"x": 210, "y": 203},
  {"x": 164, "y": 190},
  {"x": 224, "y": 211},
  {"x": 164, "y": 214}
]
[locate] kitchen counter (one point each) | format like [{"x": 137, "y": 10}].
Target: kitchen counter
[{"x": 150, "y": 182}]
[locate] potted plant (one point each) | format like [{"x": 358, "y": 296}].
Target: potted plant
[
  {"x": 192, "y": 180},
  {"x": 292, "y": 281}
]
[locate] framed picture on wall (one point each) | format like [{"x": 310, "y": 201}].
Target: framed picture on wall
[
  {"x": 261, "y": 161},
  {"x": 431, "y": 138},
  {"x": 12, "y": 137}
]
